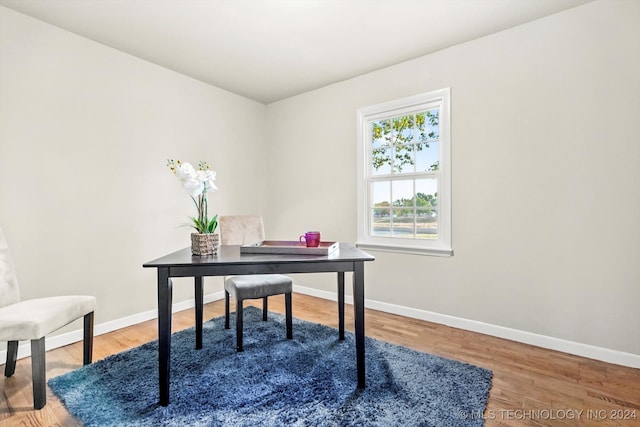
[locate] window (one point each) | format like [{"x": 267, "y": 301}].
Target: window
[{"x": 404, "y": 175}]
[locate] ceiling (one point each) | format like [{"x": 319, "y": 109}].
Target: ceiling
[{"x": 269, "y": 50}]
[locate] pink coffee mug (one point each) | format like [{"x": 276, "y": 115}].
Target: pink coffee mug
[{"x": 311, "y": 239}]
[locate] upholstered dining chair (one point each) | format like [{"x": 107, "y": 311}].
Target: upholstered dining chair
[
  {"x": 33, "y": 319},
  {"x": 245, "y": 230}
]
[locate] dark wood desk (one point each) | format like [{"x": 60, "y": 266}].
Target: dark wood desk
[{"x": 230, "y": 262}]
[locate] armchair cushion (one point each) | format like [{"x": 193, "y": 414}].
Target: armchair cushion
[{"x": 32, "y": 319}]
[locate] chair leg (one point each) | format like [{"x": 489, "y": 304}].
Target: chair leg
[
  {"x": 226, "y": 310},
  {"x": 38, "y": 372},
  {"x": 239, "y": 326},
  {"x": 87, "y": 354},
  {"x": 12, "y": 356},
  {"x": 289, "y": 316},
  {"x": 264, "y": 309}
]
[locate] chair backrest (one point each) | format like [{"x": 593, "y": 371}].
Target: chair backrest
[
  {"x": 241, "y": 229},
  {"x": 9, "y": 291}
]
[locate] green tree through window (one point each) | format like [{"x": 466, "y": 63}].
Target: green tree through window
[{"x": 394, "y": 141}]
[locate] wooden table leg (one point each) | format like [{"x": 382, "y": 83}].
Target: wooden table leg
[
  {"x": 358, "y": 311},
  {"x": 199, "y": 310},
  {"x": 341, "y": 305},
  {"x": 164, "y": 333}
]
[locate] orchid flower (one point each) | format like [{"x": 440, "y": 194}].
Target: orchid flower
[{"x": 197, "y": 183}]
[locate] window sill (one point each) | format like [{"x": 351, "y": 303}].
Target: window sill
[{"x": 406, "y": 249}]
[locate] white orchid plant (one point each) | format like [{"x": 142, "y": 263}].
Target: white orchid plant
[{"x": 197, "y": 183}]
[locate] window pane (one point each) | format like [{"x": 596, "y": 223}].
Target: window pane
[
  {"x": 403, "y": 128},
  {"x": 381, "y": 132},
  {"x": 427, "y": 204},
  {"x": 381, "y": 161},
  {"x": 427, "y": 223},
  {"x": 404, "y": 160},
  {"x": 403, "y": 222},
  {"x": 428, "y": 156},
  {"x": 402, "y": 192},
  {"x": 427, "y": 192},
  {"x": 381, "y": 194},
  {"x": 403, "y": 135},
  {"x": 428, "y": 125},
  {"x": 403, "y": 211},
  {"x": 381, "y": 150},
  {"x": 381, "y": 212},
  {"x": 381, "y": 222}
]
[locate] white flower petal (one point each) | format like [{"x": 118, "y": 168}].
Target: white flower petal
[
  {"x": 186, "y": 171},
  {"x": 194, "y": 186},
  {"x": 196, "y": 182}
]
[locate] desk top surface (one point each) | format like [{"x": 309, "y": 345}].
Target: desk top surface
[{"x": 230, "y": 255}]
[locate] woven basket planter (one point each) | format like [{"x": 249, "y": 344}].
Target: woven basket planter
[{"x": 204, "y": 244}]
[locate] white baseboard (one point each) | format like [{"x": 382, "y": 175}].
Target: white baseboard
[{"x": 579, "y": 349}]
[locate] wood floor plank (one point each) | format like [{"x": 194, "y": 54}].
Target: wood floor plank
[{"x": 532, "y": 386}]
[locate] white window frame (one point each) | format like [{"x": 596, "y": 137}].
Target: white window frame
[{"x": 365, "y": 116}]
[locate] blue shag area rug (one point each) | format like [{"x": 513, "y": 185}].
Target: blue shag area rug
[{"x": 308, "y": 381}]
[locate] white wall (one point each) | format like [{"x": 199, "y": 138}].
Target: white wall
[
  {"x": 545, "y": 148},
  {"x": 85, "y": 194}
]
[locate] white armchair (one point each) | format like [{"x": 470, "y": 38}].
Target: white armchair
[{"x": 33, "y": 319}]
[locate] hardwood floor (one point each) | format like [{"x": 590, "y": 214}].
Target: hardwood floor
[{"x": 531, "y": 386}]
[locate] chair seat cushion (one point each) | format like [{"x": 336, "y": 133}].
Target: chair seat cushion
[
  {"x": 33, "y": 319},
  {"x": 257, "y": 286}
]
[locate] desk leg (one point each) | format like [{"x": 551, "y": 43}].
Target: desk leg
[
  {"x": 164, "y": 332},
  {"x": 358, "y": 311},
  {"x": 341, "y": 305},
  {"x": 199, "y": 309}
]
